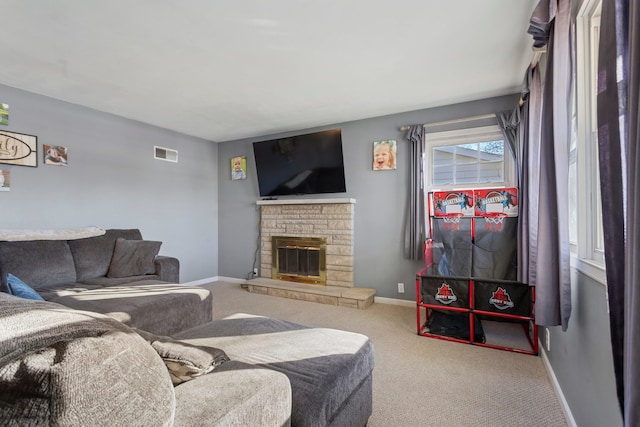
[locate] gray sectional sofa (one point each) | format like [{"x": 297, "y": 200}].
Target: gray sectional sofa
[
  {"x": 80, "y": 274},
  {"x": 66, "y": 367},
  {"x": 93, "y": 353}
]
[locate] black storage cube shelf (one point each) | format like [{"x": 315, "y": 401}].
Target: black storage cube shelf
[
  {"x": 445, "y": 291},
  {"x": 503, "y": 297}
]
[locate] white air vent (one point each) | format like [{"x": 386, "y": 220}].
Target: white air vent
[{"x": 166, "y": 154}]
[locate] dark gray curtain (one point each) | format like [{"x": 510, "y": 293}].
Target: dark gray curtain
[
  {"x": 550, "y": 272},
  {"x": 553, "y": 292},
  {"x": 632, "y": 268},
  {"x": 531, "y": 176},
  {"x": 414, "y": 235},
  {"x": 611, "y": 149},
  {"x": 618, "y": 138},
  {"x": 528, "y": 171},
  {"x": 509, "y": 121}
]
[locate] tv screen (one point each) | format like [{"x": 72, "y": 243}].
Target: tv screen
[{"x": 303, "y": 164}]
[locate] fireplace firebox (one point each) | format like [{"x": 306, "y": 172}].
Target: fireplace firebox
[{"x": 299, "y": 259}]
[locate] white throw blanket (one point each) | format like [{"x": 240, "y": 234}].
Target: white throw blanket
[{"x": 63, "y": 234}]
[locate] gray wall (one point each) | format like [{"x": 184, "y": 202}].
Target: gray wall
[
  {"x": 581, "y": 357},
  {"x": 112, "y": 180},
  {"x": 381, "y": 197}
]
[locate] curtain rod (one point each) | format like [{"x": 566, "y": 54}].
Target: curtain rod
[
  {"x": 537, "y": 54},
  {"x": 450, "y": 122}
]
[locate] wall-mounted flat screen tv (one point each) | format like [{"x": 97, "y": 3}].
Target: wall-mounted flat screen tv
[{"x": 303, "y": 164}]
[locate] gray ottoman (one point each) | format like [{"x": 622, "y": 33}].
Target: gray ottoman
[{"x": 330, "y": 371}]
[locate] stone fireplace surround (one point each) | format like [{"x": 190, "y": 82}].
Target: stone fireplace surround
[{"x": 332, "y": 219}]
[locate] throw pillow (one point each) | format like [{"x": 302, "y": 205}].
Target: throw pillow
[
  {"x": 133, "y": 258},
  {"x": 184, "y": 361},
  {"x": 20, "y": 289}
]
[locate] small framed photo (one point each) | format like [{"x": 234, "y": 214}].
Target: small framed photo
[
  {"x": 18, "y": 149},
  {"x": 5, "y": 180},
  {"x": 238, "y": 167},
  {"x": 4, "y": 114},
  {"x": 54, "y": 155},
  {"x": 384, "y": 155}
]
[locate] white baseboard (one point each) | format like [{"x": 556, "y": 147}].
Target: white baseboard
[
  {"x": 202, "y": 281},
  {"x": 556, "y": 386},
  {"x": 230, "y": 279},
  {"x": 395, "y": 301},
  {"x": 214, "y": 279}
]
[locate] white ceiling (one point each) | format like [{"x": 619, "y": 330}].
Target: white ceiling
[{"x": 223, "y": 70}]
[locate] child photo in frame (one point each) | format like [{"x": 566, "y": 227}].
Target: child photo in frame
[
  {"x": 384, "y": 155},
  {"x": 238, "y": 167},
  {"x": 5, "y": 180},
  {"x": 54, "y": 155}
]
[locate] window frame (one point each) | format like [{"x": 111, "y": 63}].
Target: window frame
[
  {"x": 467, "y": 136},
  {"x": 588, "y": 250}
]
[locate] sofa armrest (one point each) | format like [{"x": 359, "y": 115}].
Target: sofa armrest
[{"x": 168, "y": 268}]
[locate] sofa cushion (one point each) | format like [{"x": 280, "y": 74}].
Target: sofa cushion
[
  {"x": 133, "y": 258},
  {"x": 240, "y": 395},
  {"x": 159, "y": 308},
  {"x": 104, "y": 281},
  {"x": 60, "y": 366},
  {"x": 92, "y": 256},
  {"x": 40, "y": 263},
  {"x": 319, "y": 362},
  {"x": 185, "y": 361},
  {"x": 65, "y": 289},
  {"x": 20, "y": 289}
]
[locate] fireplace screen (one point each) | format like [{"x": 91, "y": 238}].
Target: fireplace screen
[{"x": 299, "y": 259}]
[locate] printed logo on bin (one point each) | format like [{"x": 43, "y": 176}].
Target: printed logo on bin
[
  {"x": 445, "y": 294},
  {"x": 501, "y": 300}
]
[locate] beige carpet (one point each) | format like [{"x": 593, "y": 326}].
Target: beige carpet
[{"x": 421, "y": 381}]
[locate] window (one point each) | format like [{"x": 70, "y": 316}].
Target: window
[
  {"x": 468, "y": 158},
  {"x": 585, "y": 207}
]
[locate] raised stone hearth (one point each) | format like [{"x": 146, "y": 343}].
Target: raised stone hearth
[
  {"x": 330, "y": 219},
  {"x": 332, "y": 295}
]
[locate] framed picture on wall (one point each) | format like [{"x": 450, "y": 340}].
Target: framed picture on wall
[
  {"x": 55, "y": 155},
  {"x": 4, "y": 114},
  {"x": 384, "y": 155},
  {"x": 5, "y": 180},
  {"x": 238, "y": 167},
  {"x": 18, "y": 149}
]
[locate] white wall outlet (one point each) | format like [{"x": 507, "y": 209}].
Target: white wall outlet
[
  {"x": 255, "y": 271},
  {"x": 401, "y": 288},
  {"x": 547, "y": 339}
]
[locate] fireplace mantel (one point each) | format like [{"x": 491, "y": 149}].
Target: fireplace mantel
[{"x": 305, "y": 201}]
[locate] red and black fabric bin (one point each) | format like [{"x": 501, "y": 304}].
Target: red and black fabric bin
[{"x": 506, "y": 297}]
